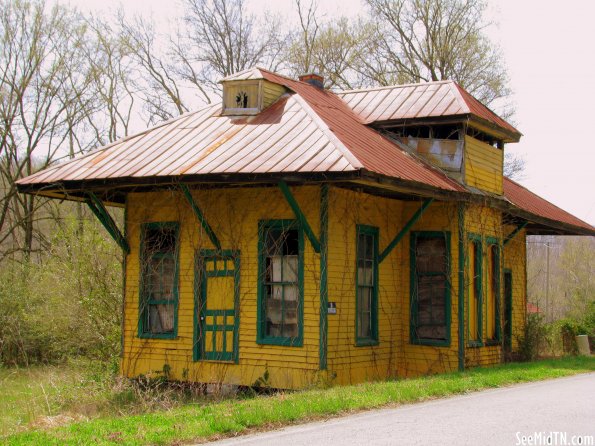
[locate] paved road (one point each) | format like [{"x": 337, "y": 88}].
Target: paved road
[{"x": 491, "y": 417}]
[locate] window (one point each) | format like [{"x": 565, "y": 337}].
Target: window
[
  {"x": 367, "y": 286},
  {"x": 430, "y": 288},
  {"x": 474, "y": 319},
  {"x": 493, "y": 294},
  {"x": 159, "y": 280},
  {"x": 280, "y": 283}
]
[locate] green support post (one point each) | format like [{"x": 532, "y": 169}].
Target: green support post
[
  {"x": 461, "y": 313},
  {"x": 323, "y": 347}
]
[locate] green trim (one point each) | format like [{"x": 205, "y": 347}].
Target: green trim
[
  {"x": 200, "y": 216},
  {"x": 143, "y": 302},
  {"x": 413, "y": 338},
  {"x": 299, "y": 215},
  {"x": 124, "y": 274},
  {"x": 107, "y": 221},
  {"x": 518, "y": 229},
  {"x": 323, "y": 334},
  {"x": 494, "y": 241},
  {"x": 508, "y": 308},
  {"x": 373, "y": 340},
  {"x": 261, "y": 338},
  {"x": 461, "y": 309},
  {"x": 201, "y": 258},
  {"x": 405, "y": 229},
  {"x": 477, "y": 339}
]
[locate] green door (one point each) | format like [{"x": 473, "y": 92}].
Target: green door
[{"x": 217, "y": 280}]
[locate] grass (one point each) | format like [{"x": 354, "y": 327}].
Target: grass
[{"x": 200, "y": 421}]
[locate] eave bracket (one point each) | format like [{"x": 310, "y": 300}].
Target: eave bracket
[
  {"x": 97, "y": 207},
  {"x": 518, "y": 229},
  {"x": 299, "y": 215},
  {"x": 200, "y": 216},
  {"x": 405, "y": 229}
]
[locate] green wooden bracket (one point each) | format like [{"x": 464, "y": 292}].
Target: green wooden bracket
[
  {"x": 405, "y": 229},
  {"x": 518, "y": 229},
  {"x": 299, "y": 215},
  {"x": 107, "y": 221},
  {"x": 201, "y": 218}
]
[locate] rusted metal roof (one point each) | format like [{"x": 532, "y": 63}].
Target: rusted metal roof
[
  {"x": 309, "y": 131},
  {"x": 425, "y": 100},
  {"x": 524, "y": 199}
]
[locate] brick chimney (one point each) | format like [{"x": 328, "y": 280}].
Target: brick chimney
[{"x": 313, "y": 79}]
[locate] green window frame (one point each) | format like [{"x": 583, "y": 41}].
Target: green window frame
[
  {"x": 159, "y": 280},
  {"x": 494, "y": 274},
  {"x": 280, "y": 283},
  {"x": 476, "y": 340},
  {"x": 366, "y": 279},
  {"x": 430, "y": 288}
]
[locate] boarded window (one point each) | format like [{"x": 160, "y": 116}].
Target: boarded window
[
  {"x": 367, "y": 285},
  {"x": 281, "y": 282},
  {"x": 159, "y": 279},
  {"x": 430, "y": 290}
]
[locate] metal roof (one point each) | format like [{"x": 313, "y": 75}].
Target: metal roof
[
  {"x": 424, "y": 100},
  {"x": 524, "y": 199},
  {"x": 309, "y": 131}
]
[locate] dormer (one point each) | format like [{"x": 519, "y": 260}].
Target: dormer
[
  {"x": 248, "y": 93},
  {"x": 443, "y": 124}
]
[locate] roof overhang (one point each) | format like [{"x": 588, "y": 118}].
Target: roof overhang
[{"x": 468, "y": 119}]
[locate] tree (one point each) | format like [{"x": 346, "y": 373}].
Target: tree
[
  {"x": 432, "y": 40},
  {"x": 36, "y": 90}
]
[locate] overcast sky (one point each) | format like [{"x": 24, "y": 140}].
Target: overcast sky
[{"x": 548, "y": 48}]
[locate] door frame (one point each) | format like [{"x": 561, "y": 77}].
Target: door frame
[{"x": 200, "y": 296}]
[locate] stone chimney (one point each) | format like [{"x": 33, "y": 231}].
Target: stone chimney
[{"x": 313, "y": 79}]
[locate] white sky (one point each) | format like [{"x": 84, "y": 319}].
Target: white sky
[{"x": 548, "y": 48}]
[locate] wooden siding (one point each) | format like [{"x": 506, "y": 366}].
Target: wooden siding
[
  {"x": 515, "y": 259},
  {"x": 234, "y": 216},
  {"x": 484, "y": 222},
  {"x": 394, "y": 355},
  {"x": 270, "y": 93},
  {"x": 483, "y": 166}
]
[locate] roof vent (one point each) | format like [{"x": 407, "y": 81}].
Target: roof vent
[{"x": 313, "y": 79}]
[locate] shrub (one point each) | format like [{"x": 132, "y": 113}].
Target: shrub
[{"x": 533, "y": 337}]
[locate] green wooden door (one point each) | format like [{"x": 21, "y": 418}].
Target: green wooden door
[
  {"x": 217, "y": 279},
  {"x": 507, "y": 314}
]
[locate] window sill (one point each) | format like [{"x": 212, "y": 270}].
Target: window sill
[
  {"x": 430, "y": 342},
  {"x": 492, "y": 343},
  {"x": 366, "y": 343},
  {"x": 284, "y": 342},
  {"x": 157, "y": 335},
  {"x": 474, "y": 344}
]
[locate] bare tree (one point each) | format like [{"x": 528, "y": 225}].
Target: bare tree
[
  {"x": 431, "y": 40},
  {"x": 36, "y": 53},
  {"x": 222, "y": 38}
]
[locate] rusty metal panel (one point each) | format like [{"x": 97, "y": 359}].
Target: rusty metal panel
[
  {"x": 423, "y": 100},
  {"x": 524, "y": 199}
]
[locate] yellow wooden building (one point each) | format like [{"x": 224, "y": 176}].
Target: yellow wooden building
[{"x": 291, "y": 236}]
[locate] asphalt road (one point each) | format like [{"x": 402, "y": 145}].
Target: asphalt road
[{"x": 492, "y": 417}]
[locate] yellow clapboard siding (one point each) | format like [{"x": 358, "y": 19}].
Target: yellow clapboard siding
[{"x": 483, "y": 165}]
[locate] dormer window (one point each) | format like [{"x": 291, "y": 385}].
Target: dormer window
[
  {"x": 248, "y": 93},
  {"x": 242, "y": 100}
]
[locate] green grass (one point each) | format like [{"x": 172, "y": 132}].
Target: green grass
[{"x": 196, "y": 422}]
